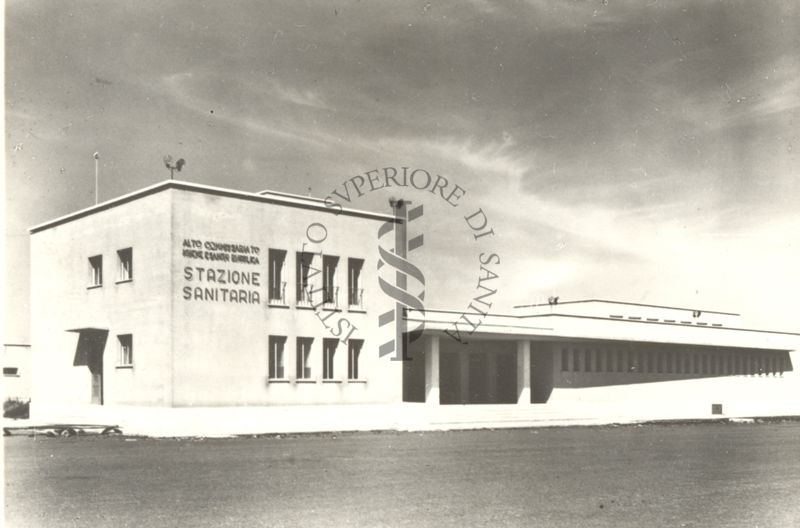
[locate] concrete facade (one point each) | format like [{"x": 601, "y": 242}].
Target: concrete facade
[
  {"x": 182, "y": 296},
  {"x": 193, "y": 344}
]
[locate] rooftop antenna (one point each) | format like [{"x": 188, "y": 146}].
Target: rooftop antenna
[
  {"x": 177, "y": 166},
  {"x": 96, "y": 162}
]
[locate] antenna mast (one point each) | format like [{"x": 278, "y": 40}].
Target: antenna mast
[
  {"x": 172, "y": 167},
  {"x": 96, "y": 171}
]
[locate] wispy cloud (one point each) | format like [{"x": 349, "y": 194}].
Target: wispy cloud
[
  {"x": 177, "y": 86},
  {"x": 298, "y": 97},
  {"x": 498, "y": 158}
]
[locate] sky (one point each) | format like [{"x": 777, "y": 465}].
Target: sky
[{"x": 623, "y": 150}]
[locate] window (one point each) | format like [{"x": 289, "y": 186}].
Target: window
[
  {"x": 330, "y": 289},
  {"x": 96, "y": 270},
  {"x": 355, "y": 291},
  {"x": 276, "y": 366},
  {"x": 353, "y": 354},
  {"x": 328, "y": 357},
  {"x": 10, "y": 371},
  {"x": 576, "y": 361},
  {"x": 125, "y": 260},
  {"x": 564, "y": 360},
  {"x": 277, "y": 283},
  {"x": 304, "y": 357},
  {"x": 305, "y": 272},
  {"x": 125, "y": 350}
]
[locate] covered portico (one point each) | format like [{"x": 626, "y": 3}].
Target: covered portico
[
  {"x": 487, "y": 370},
  {"x": 555, "y": 358}
]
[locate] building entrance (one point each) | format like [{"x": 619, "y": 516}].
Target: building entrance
[
  {"x": 89, "y": 353},
  {"x": 96, "y": 369}
]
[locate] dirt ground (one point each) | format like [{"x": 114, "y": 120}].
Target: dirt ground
[{"x": 699, "y": 475}]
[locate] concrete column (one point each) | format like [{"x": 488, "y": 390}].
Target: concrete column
[
  {"x": 491, "y": 374},
  {"x": 523, "y": 372},
  {"x": 463, "y": 368},
  {"x": 432, "y": 369}
]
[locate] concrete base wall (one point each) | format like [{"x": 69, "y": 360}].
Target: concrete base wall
[{"x": 227, "y": 421}]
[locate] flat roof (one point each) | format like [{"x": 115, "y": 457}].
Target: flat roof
[
  {"x": 269, "y": 197},
  {"x": 559, "y": 303},
  {"x": 565, "y": 326}
]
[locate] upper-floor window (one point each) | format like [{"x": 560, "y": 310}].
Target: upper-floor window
[
  {"x": 305, "y": 274},
  {"x": 125, "y": 350},
  {"x": 330, "y": 287},
  {"x": 277, "y": 279},
  {"x": 355, "y": 289},
  {"x": 96, "y": 270},
  {"x": 125, "y": 259}
]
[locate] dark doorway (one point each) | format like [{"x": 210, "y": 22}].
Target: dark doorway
[
  {"x": 89, "y": 353},
  {"x": 478, "y": 384},
  {"x": 96, "y": 368}
]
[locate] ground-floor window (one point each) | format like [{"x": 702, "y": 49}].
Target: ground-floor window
[
  {"x": 125, "y": 349},
  {"x": 686, "y": 361},
  {"x": 277, "y": 345},
  {"x": 304, "y": 357},
  {"x": 353, "y": 355},
  {"x": 328, "y": 354}
]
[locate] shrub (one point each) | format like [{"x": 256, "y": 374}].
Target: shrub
[{"x": 16, "y": 408}]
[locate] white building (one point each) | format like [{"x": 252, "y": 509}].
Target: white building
[{"x": 265, "y": 306}]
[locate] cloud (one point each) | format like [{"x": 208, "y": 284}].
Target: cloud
[
  {"x": 298, "y": 97},
  {"x": 618, "y": 147},
  {"x": 179, "y": 87}
]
